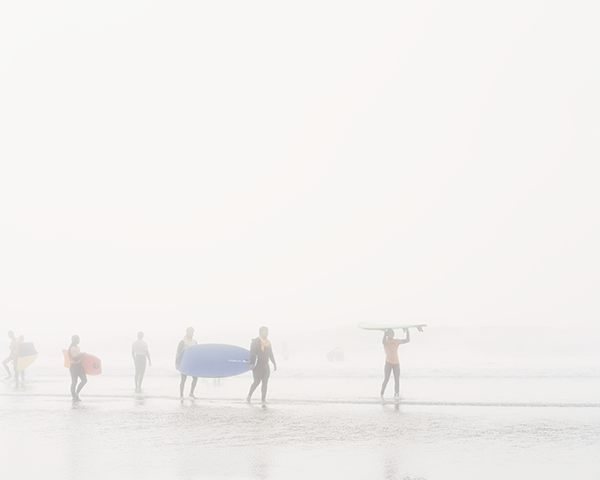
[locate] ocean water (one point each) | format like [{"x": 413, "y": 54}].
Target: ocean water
[{"x": 323, "y": 421}]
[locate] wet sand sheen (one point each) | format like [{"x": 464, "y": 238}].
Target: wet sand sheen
[{"x": 127, "y": 436}]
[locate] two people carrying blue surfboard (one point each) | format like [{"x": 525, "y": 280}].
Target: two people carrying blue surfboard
[{"x": 261, "y": 352}]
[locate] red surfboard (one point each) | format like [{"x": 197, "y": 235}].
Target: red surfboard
[{"x": 91, "y": 364}]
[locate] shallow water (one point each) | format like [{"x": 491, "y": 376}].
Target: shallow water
[{"x": 459, "y": 428}]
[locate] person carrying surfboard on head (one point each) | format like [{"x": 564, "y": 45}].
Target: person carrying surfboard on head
[
  {"x": 76, "y": 368},
  {"x": 14, "y": 354},
  {"x": 392, "y": 362},
  {"x": 187, "y": 342},
  {"x": 262, "y": 352},
  {"x": 139, "y": 352}
]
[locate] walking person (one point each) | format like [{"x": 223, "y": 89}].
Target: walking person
[
  {"x": 188, "y": 341},
  {"x": 13, "y": 355},
  {"x": 261, "y": 352},
  {"x": 140, "y": 353},
  {"x": 76, "y": 368},
  {"x": 392, "y": 362}
]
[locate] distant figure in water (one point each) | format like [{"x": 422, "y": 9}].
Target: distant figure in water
[
  {"x": 13, "y": 355},
  {"x": 140, "y": 352},
  {"x": 76, "y": 368},
  {"x": 261, "y": 348},
  {"x": 392, "y": 362},
  {"x": 188, "y": 341},
  {"x": 337, "y": 354}
]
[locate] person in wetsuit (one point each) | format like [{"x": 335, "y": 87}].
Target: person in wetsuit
[
  {"x": 261, "y": 352},
  {"x": 76, "y": 368},
  {"x": 392, "y": 362},
  {"x": 187, "y": 342},
  {"x": 140, "y": 352},
  {"x": 13, "y": 356}
]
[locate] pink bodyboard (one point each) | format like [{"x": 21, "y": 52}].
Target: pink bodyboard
[{"x": 91, "y": 364}]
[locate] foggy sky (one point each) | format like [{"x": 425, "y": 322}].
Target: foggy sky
[{"x": 232, "y": 164}]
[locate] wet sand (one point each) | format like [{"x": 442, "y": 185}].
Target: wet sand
[{"x": 305, "y": 431}]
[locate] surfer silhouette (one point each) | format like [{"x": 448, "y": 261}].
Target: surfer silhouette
[
  {"x": 13, "y": 355},
  {"x": 140, "y": 352},
  {"x": 261, "y": 352},
  {"x": 76, "y": 368},
  {"x": 187, "y": 341},
  {"x": 392, "y": 362}
]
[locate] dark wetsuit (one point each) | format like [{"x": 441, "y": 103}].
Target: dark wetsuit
[
  {"x": 13, "y": 357},
  {"x": 77, "y": 371},
  {"x": 261, "y": 371}
]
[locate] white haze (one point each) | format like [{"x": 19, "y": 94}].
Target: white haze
[{"x": 305, "y": 166}]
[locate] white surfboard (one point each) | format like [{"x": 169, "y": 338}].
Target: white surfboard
[{"x": 393, "y": 326}]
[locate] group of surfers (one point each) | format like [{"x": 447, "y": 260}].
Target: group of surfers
[{"x": 261, "y": 352}]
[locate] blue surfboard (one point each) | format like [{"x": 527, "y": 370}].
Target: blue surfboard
[{"x": 214, "y": 360}]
